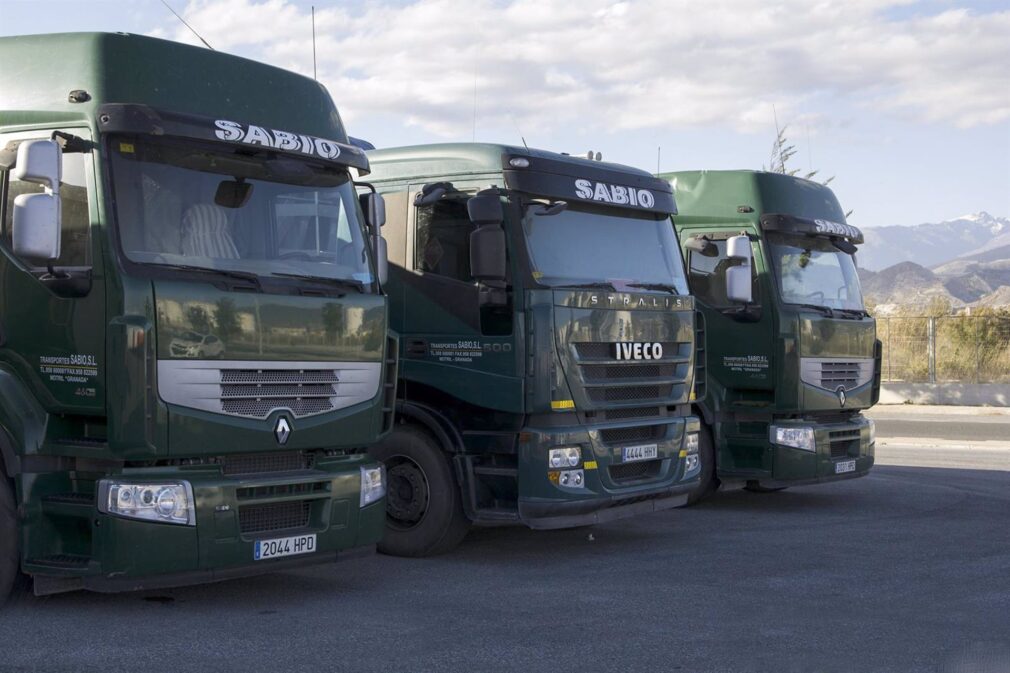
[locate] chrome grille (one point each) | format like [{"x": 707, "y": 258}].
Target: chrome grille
[
  {"x": 832, "y": 373},
  {"x": 256, "y": 389},
  {"x": 274, "y": 517}
]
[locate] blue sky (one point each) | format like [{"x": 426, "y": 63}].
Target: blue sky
[{"x": 906, "y": 103}]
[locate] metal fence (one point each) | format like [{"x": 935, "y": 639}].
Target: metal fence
[{"x": 947, "y": 349}]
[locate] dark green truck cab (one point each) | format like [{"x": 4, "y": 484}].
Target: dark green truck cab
[
  {"x": 793, "y": 357},
  {"x": 547, "y": 343},
  {"x": 194, "y": 347}
]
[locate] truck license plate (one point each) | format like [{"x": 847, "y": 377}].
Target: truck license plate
[
  {"x": 284, "y": 546},
  {"x": 630, "y": 454},
  {"x": 845, "y": 466}
]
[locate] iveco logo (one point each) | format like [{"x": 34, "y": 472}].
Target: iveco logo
[
  {"x": 282, "y": 430},
  {"x": 841, "y": 395}
]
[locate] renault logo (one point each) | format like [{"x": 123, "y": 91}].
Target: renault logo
[
  {"x": 840, "y": 392},
  {"x": 283, "y": 430}
]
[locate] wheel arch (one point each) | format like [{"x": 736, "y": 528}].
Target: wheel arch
[{"x": 430, "y": 419}]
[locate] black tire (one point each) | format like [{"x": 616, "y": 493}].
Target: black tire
[
  {"x": 12, "y": 583},
  {"x": 756, "y": 487},
  {"x": 708, "y": 483},
  {"x": 424, "y": 509}
]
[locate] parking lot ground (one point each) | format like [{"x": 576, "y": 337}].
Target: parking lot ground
[{"x": 907, "y": 569}]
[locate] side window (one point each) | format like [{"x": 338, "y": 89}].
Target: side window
[
  {"x": 442, "y": 240},
  {"x": 707, "y": 276},
  {"x": 75, "y": 246}
]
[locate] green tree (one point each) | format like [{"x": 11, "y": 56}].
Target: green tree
[{"x": 227, "y": 320}]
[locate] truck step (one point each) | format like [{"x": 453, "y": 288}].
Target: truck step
[
  {"x": 69, "y": 504},
  {"x": 60, "y": 562},
  {"x": 495, "y": 515}
]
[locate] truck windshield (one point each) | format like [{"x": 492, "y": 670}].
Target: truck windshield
[
  {"x": 813, "y": 271},
  {"x": 584, "y": 244},
  {"x": 193, "y": 205}
]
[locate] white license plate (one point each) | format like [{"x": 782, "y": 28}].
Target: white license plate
[
  {"x": 630, "y": 454},
  {"x": 845, "y": 466},
  {"x": 284, "y": 546}
]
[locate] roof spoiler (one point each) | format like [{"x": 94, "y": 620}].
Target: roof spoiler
[{"x": 801, "y": 225}]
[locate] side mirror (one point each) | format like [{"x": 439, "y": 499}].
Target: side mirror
[
  {"x": 739, "y": 288},
  {"x": 487, "y": 253},
  {"x": 36, "y": 218},
  {"x": 375, "y": 210},
  {"x": 485, "y": 208}
]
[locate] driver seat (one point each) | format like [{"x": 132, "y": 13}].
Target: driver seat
[{"x": 205, "y": 233}]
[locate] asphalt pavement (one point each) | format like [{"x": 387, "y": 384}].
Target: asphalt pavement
[{"x": 907, "y": 569}]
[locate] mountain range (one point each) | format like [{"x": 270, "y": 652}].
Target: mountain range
[{"x": 965, "y": 261}]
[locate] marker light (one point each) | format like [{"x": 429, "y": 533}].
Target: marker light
[
  {"x": 161, "y": 503},
  {"x": 519, "y": 162},
  {"x": 373, "y": 484},
  {"x": 568, "y": 456},
  {"x": 796, "y": 437}
]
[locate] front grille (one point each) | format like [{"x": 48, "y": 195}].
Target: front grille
[
  {"x": 590, "y": 350},
  {"x": 630, "y": 393},
  {"x": 632, "y": 434},
  {"x": 844, "y": 443},
  {"x": 262, "y": 407},
  {"x": 634, "y": 412},
  {"x": 260, "y": 463},
  {"x": 834, "y": 374},
  {"x": 645, "y": 469},
  {"x": 628, "y": 371},
  {"x": 276, "y": 516},
  {"x": 264, "y": 376}
]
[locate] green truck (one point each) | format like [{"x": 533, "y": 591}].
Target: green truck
[
  {"x": 194, "y": 349},
  {"x": 548, "y": 344},
  {"x": 793, "y": 357}
]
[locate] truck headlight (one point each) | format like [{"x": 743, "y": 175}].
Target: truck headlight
[
  {"x": 691, "y": 442},
  {"x": 167, "y": 502},
  {"x": 572, "y": 478},
  {"x": 568, "y": 456},
  {"x": 799, "y": 438},
  {"x": 873, "y": 431},
  {"x": 373, "y": 484}
]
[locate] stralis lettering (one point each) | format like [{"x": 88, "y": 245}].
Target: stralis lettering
[
  {"x": 280, "y": 140},
  {"x": 634, "y": 350},
  {"x": 616, "y": 194},
  {"x": 637, "y": 301}
]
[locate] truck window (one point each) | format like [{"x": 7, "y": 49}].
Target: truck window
[
  {"x": 75, "y": 247},
  {"x": 442, "y": 240},
  {"x": 707, "y": 276}
]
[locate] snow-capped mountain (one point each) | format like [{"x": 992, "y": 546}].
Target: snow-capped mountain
[{"x": 933, "y": 243}]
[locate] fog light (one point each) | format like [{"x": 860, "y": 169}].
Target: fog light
[
  {"x": 692, "y": 463},
  {"x": 568, "y": 456},
  {"x": 373, "y": 484},
  {"x": 796, "y": 437},
  {"x": 161, "y": 503},
  {"x": 691, "y": 442},
  {"x": 571, "y": 478}
]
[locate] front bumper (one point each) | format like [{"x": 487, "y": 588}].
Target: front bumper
[
  {"x": 612, "y": 488},
  {"x": 836, "y": 445},
  {"x": 232, "y": 513}
]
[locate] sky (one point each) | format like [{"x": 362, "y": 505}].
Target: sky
[{"x": 905, "y": 103}]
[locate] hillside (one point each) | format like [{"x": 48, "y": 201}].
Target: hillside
[{"x": 930, "y": 244}]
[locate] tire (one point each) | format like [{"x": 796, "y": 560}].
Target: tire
[
  {"x": 424, "y": 508},
  {"x": 708, "y": 483},
  {"x": 12, "y": 583},
  {"x": 756, "y": 487}
]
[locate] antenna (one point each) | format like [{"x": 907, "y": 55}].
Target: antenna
[
  {"x": 187, "y": 25},
  {"x": 659, "y": 155},
  {"x": 474, "y": 138},
  {"x": 314, "y": 43}
]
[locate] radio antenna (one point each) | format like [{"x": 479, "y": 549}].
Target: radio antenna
[
  {"x": 206, "y": 44},
  {"x": 314, "y": 76},
  {"x": 659, "y": 154}
]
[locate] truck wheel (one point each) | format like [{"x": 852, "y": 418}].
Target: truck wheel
[
  {"x": 424, "y": 511},
  {"x": 708, "y": 482},
  {"x": 12, "y": 582}
]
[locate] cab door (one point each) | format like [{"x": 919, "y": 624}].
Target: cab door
[
  {"x": 740, "y": 353},
  {"x": 453, "y": 340},
  {"x": 52, "y": 324}
]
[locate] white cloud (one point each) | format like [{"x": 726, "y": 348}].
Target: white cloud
[{"x": 629, "y": 65}]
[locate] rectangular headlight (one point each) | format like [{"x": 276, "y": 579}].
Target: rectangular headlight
[
  {"x": 165, "y": 502},
  {"x": 796, "y": 437},
  {"x": 691, "y": 442},
  {"x": 568, "y": 456},
  {"x": 373, "y": 484}
]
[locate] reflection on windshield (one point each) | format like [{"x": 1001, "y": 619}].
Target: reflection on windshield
[
  {"x": 813, "y": 271},
  {"x": 182, "y": 204},
  {"x": 585, "y": 245}
]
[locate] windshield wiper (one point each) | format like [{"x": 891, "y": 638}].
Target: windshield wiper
[
  {"x": 240, "y": 275},
  {"x": 663, "y": 287},
  {"x": 357, "y": 285},
  {"x": 599, "y": 285},
  {"x": 826, "y": 310},
  {"x": 857, "y": 312}
]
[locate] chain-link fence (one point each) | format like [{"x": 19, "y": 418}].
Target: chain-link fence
[{"x": 947, "y": 349}]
